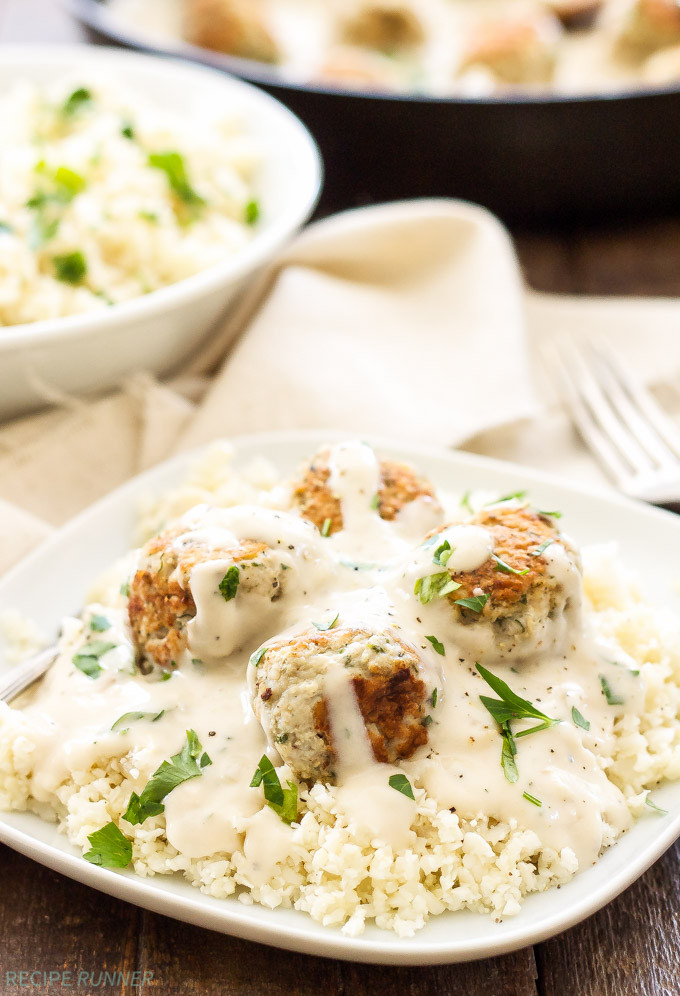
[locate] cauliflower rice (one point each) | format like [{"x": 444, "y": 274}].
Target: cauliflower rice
[{"x": 334, "y": 871}]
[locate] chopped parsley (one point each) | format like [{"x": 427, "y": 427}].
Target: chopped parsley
[
  {"x": 127, "y": 130},
  {"x": 476, "y": 603},
  {"x": 542, "y": 548},
  {"x": 326, "y": 527},
  {"x": 324, "y": 627},
  {"x": 532, "y": 799},
  {"x": 70, "y": 268},
  {"x": 434, "y": 586},
  {"x": 506, "y": 568},
  {"x": 181, "y": 767},
  {"x": 375, "y": 502},
  {"x": 442, "y": 554},
  {"x": 611, "y": 696},
  {"x": 252, "y": 212},
  {"x": 402, "y": 784},
  {"x": 229, "y": 584},
  {"x": 434, "y": 698},
  {"x": 465, "y": 503},
  {"x": 579, "y": 720},
  {"x": 437, "y": 644},
  {"x": 258, "y": 655},
  {"x": 125, "y": 589},
  {"x": 657, "y": 809},
  {"x": 284, "y": 802},
  {"x": 110, "y": 848},
  {"x": 172, "y": 164},
  {"x": 515, "y": 494},
  {"x": 426, "y": 721},
  {"x": 553, "y": 515},
  {"x": 508, "y": 707},
  {"x": 99, "y": 624},
  {"x": 282, "y": 738},
  {"x": 87, "y": 659},
  {"x": 133, "y": 717},
  {"x": 76, "y": 101}
]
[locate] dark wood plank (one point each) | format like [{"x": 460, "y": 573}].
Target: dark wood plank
[
  {"x": 51, "y": 924},
  {"x": 630, "y": 948}
]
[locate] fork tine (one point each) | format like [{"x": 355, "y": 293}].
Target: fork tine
[
  {"x": 648, "y": 406},
  {"x": 586, "y": 425},
  {"x": 600, "y": 408}
]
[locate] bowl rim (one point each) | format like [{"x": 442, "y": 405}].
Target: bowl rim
[
  {"x": 95, "y": 14},
  {"x": 265, "y": 243}
]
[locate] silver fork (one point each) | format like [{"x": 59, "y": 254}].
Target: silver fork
[
  {"x": 634, "y": 439},
  {"x": 20, "y": 677}
]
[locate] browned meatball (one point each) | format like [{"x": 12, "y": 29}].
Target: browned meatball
[
  {"x": 161, "y": 603},
  {"x": 237, "y": 27},
  {"x": 515, "y": 50},
  {"x": 399, "y": 485},
  {"x": 575, "y": 13},
  {"x": 650, "y": 24},
  {"x": 384, "y": 26},
  {"x": 293, "y": 683}
]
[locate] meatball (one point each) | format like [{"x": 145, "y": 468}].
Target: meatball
[
  {"x": 524, "y": 588},
  {"x": 295, "y": 686},
  {"x": 161, "y": 603},
  {"x": 514, "y": 50},
  {"x": 384, "y": 26},
  {"x": 575, "y": 13},
  {"x": 650, "y": 25},
  {"x": 237, "y": 27},
  {"x": 398, "y": 485}
]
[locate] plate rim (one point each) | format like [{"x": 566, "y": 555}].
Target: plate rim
[{"x": 221, "y": 916}]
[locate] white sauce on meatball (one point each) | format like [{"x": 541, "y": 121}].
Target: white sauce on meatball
[{"x": 365, "y": 575}]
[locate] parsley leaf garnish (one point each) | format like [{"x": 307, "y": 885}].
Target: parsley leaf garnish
[
  {"x": 110, "y": 848},
  {"x": 402, "y": 784},
  {"x": 257, "y": 656},
  {"x": 579, "y": 720},
  {"x": 252, "y": 212},
  {"x": 284, "y": 802},
  {"x": 532, "y": 799},
  {"x": 324, "y": 627},
  {"x": 180, "y": 768},
  {"x": 434, "y": 698},
  {"x": 76, "y": 101},
  {"x": 515, "y": 494},
  {"x": 99, "y": 624},
  {"x": 434, "y": 586},
  {"x": 70, "y": 268},
  {"x": 442, "y": 554},
  {"x": 229, "y": 584},
  {"x": 437, "y": 644},
  {"x": 542, "y": 548},
  {"x": 465, "y": 503},
  {"x": 172, "y": 164},
  {"x": 553, "y": 515},
  {"x": 326, "y": 527},
  {"x": 510, "y": 706},
  {"x": 506, "y": 568},
  {"x": 375, "y": 502},
  {"x": 132, "y": 717},
  {"x": 127, "y": 130},
  {"x": 476, "y": 603},
  {"x": 611, "y": 696},
  {"x": 87, "y": 659},
  {"x": 657, "y": 809}
]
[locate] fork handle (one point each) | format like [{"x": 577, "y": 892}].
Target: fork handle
[{"x": 23, "y": 675}]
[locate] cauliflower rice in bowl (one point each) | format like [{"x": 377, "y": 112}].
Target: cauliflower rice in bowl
[
  {"x": 440, "y": 705},
  {"x": 106, "y": 195}
]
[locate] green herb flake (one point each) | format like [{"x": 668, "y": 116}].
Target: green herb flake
[
  {"x": 133, "y": 717},
  {"x": 476, "y": 603},
  {"x": 252, "y": 212},
  {"x": 76, "y": 102},
  {"x": 402, "y": 784},
  {"x": 256, "y": 657},
  {"x": 326, "y": 527},
  {"x": 434, "y": 586},
  {"x": 611, "y": 696},
  {"x": 70, "y": 268},
  {"x": 542, "y": 548},
  {"x": 110, "y": 848},
  {"x": 127, "y": 130},
  {"x": 532, "y": 799},
  {"x": 324, "y": 627},
  {"x": 99, "y": 624},
  {"x": 513, "y": 495},
  {"x": 284, "y": 802},
  {"x": 442, "y": 554},
  {"x": 552, "y": 515},
  {"x": 228, "y": 586},
  {"x": 437, "y": 644},
  {"x": 657, "y": 809},
  {"x": 125, "y": 589},
  {"x": 434, "y": 698},
  {"x": 87, "y": 659},
  {"x": 579, "y": 720},
  {"x": 172, "y": 164},
  {"x": 375, "y": 502},
  {"x": 426, "y": 721},
  {"x": 187, "y": 764},
  {"x": 282, "y": 738},
  {"x": 506, "y": 568},
  {"x": 508, "y": 754},
  {"x": 465, "y": 503}
]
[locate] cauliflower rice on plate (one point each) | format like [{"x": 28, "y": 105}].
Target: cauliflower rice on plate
[
  {"x": 106, "y": 195},
  {"x": 351, "y": 694}
]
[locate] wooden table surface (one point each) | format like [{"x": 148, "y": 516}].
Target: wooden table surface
[{"x": 632, "y": 947}]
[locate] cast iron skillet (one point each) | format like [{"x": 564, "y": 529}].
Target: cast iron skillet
[{"x": 527, "y": 158}]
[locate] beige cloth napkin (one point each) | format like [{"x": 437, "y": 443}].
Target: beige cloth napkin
[{"x": 409, "y": 320}]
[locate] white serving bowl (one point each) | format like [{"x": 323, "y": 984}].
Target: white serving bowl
[{"x": 156, "y": 332}]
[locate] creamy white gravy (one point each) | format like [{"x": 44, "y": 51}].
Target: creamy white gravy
[{"x": 365, "y": 575}]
